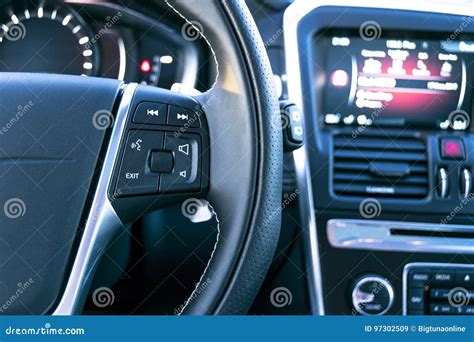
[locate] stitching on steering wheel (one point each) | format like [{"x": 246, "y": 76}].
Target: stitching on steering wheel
[
  {"x": 198, "y": 284},
  {"x": 202, "y": 35}
]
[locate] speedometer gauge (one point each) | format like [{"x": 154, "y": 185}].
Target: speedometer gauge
[{"x": 49, "y": 38}]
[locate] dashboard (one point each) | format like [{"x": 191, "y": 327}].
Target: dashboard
[
  {"x": 102, "y": 39},
  {"x": 386, "y": 92}
]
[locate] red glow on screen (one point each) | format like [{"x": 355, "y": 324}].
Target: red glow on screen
[
  {"x": 339, "y": 78},
  {"x": 145, "y": 66}
]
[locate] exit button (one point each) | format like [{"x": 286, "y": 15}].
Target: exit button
[{"x": 452, "y": 148}]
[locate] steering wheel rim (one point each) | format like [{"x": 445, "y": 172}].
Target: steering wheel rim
[
  {"x": 246, "y": 266},
  {"x": 245, "y": 141}
]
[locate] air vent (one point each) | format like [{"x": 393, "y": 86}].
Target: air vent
[{"x": 380, "y": 166}]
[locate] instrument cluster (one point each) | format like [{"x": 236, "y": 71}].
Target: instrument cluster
[{"x": 133, "y": 43}]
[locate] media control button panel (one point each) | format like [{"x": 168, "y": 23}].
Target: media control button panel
[
  {"x": 165, "y": 147},
  {"x": 439, "y": 289}
]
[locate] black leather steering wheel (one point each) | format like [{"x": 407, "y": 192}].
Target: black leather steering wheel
[{"x": 63, "y": 156}]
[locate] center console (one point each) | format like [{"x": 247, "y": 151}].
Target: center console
[{"x": 387, "y": 100}]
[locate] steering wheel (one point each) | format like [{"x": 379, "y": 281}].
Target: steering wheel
[{"x": 81, "y": 157}]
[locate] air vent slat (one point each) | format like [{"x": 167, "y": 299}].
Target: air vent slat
[
  {"x": 375, "y": 143},
  {"x": 380, "y": 166},
  {"x": 379, "y": 155},
  {"x": 361, "y": 166},
  {"x": 364, "y": 178},
  {"x": 377, "y": 190}
]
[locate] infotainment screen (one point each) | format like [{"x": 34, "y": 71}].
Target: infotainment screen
[{"x": 397, "y": 82}]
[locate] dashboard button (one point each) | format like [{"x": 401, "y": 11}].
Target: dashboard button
[
  {"x": 135, "y": 177},
  {"x": 416, "y": 299},
  {"x": 441, "y": 309},
  {"x": 418, "y": 278},
  {"x": 439, "y": 293},
  {"x": 466, "y": 183},
  {"x": 161, "y": 161},
  {"x": 183, "y": 117},
  {"x": 464, "y": 278},
  {"x": 452, "y": 148},
  {"x": 296, "y": 124},
  {"x": 443, "y": 278},
  {"x": 372, "y": 295},
  {"x": 443, "y": 186},
  {"x": 186, "y": 175},
  {"x": 151, "y": 113}
]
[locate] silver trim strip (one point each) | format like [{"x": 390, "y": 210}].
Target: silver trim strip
[
  {"x": 123, "y": 58},
  {"x": 409, "y": 267},
  {"x": 376, "y": 235},
  {"x": 462, "y": 93},
  {"x": 292, "y": 17},
  {"x": 308, "y": 219},
  {"x": 102, "y": 223}
]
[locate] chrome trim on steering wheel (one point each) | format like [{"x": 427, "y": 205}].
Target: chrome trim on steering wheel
[{"x": 102, "y": 223}]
